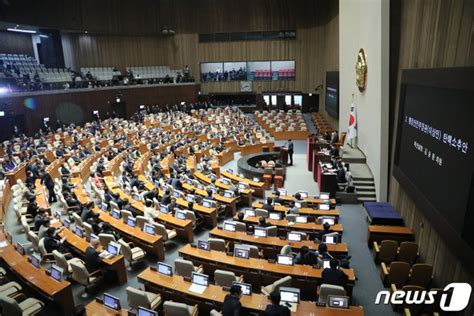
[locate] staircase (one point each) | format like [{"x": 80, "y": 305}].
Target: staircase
[{"x": 361, "y": 174}]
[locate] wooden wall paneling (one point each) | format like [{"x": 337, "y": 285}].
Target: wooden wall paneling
[
  {"x": 432, "y": 34},
  {"x": 16, "y": 43}
]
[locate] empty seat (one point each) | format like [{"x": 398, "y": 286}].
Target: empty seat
[
  {"x": 386, "y": 252},
  {"x": 217, "y": 244},
  {"x": 28, "y": 306},
  {"x": 396, "y": 274},
  {"x": 167, "y": 234},
  {"x": 328, "y": 289},
  {"x": 421, "y": 275},
  {"x": 185, "y": 268},
  {"x": 408, "y": 252},
  {"x": 171, "y": 308},
  {"x": 131, "y": 254},
  {"x": 137, "y": 297},
  {"x": 82, "y": 276},
  {"x": 226, "y": 278}
]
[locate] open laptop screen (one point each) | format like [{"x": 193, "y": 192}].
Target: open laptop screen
[
  {"x": 290, "y": 295},
  {"x": 200, "y": 279},
  {"x": 111, "y": 302},
  {"x": 165, "y": 269}
]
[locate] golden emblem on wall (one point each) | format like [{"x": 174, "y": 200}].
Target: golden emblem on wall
[{"x": 361, "y": 70}]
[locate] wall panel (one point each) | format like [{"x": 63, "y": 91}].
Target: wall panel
[
  {"x": 16, "y": 43},
  {"x": 433, "y": 34}
]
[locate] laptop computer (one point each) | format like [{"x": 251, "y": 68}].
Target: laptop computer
[
  {"x": 326, "y": 263},
  {"x": 103, "y": 206},
  {"x": 328, "y": 219},
  {"x": 275, "y": 216},
  {"x": 79, "y": 231},
  {"x": 204, "y": 245},
  {"x": 165, "y": 269},
  {"x": 112, "y": 302},
  {"x": 180, "y": 214},
  {"x": 149, "y": 229},
  {"x": 301, "y": 219},
  {"x": 241, "y": 253},
  {"x": 113, "y": 249},
  {"x": 116, "y": 214},
  {"x": 255, "y": 179},
  {"x": 57, "y": 273},
  {"x": 303, "y": 194},
  {"x": 283, "y": 191},
  {"x": 132, "y": 222},
  {"x": 330, "y": 239},
  {"x": 245, "y": 287},
  {"x": 35, "y": 260},
  {"x": 190, "y": 198},
  {"x": 249, "y": 212},
  {"x": 229, "y": 226},
  {"x": 199, "y": 283},
  {"x": 295, "y": 237},
  {"x": 290, "y": 297},
  {"x": 286, "y": 260},
  {"x": 206, "y": 203},
  {"x": 66, "y": 223},
  {"x": 260, "y": 232},
  {"x": 20, "y": 249},
  {"x": 164, "y": 209},
  {"x": 228, "y": 194},
  {"x": 337, "y": 301},
  {"x": 324, "y": 207},
  {"x": 142, "y": 311},
  {"x": 324, "y": 196}
]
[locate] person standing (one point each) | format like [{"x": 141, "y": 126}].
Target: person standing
[
  {"x": 290, "y": 152},
  {"x": 232, "y": 305}
]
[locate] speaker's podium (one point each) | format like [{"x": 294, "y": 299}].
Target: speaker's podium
[{"x": 284, "y": 155}]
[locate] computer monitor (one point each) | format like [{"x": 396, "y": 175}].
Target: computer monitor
[
  {"x": 156, "y": 183},
  {"x": 226, "y": 181},
  {"x": 212, "y": 176},
  {"x": 164, "y": 209},
  {"x": 294, "y": 236},
  {"x": 249, "y": 212},
  {"x": 132, "y": 222},
  {"x": 242, "y": 186},
  {"x": 127, "y": 191},
  {"x": 20, "y": 249},
  {"x": 35, "y": 260},
  {"x": 206, "y": 203},
  {"x": 66, "y": 223},
  {"x": 57, "y": 215},
  {"x": 176, "y": 194},
  {"x": 298, "y": 204},
  {"x": 189, "y": 181},
  {"x": 255, "y": 179},
  {"x": 241, "y": 253},
  {"x": 180, "y": 214},
  {"x": 142, "y": 311},
  {"x": 136, "y": 197},
  {"x": 275, "y": 216},
  {"x": 229, "y": 226},
  {"x": 324, "y": 207},
  {"x": 200, "y": 279},
  {"x": 113, "y": 248},
  {"x": 79, "y": 231},
  {"x": 116, "y": 214},
  {"x": 324, "y": 196},
  {"x": 260, "y": 232},
  {"x": 330, "y": 239},
  {"x": 165, "y": 269},
  {"x": 149, "y": 229},
  {"x": 112, "y": 302},
  {"x": 337, "y": 301},
  {"x": 204, "y": 245},
  {"x": 230, "y": 171},
  {"x": 303, "y": 194},
  {"x": 283, "y": 191},
  {"x": 301, "y": 219},
  {"x": 326, "y": 263},
  {"x": 245, "y": 287},
  {"x": 190, "y": 198},
  {"x": 57, "y": 273},
  {"x": 214, "y": 190},
  {"x": 286, "y": 260},
  {"x": 290, "y": 295},
  {"x": 103, "y": 206},
  {"x": 330, "y": 220},
  {"x": 228, "y": 194}
]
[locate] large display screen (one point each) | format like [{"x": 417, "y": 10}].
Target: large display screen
[
  {"x": 434, "y": 155},
  {"x": 332, "y": 93}
]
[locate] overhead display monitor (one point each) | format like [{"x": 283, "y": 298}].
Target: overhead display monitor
[
  {"x": 212, "y": 71},
  {"x": 332, "y": 93},
  {"x": 283, "y": 70}
]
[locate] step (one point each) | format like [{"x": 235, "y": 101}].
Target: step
[
  {"x": 366, "y": 199},
  {"x": 366, "y": 194},
  {"x": 365, "y": 188},
  {"x": 362, "y": 178},
  {"x": 364, "y": 182},
  {"x": 353, "y": 160}
]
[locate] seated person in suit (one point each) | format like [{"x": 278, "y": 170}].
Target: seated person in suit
[
  {"x": 333, "y": 275},
  {"x": 275, "y": 309},
  {"x": 107, "y": 229},
  {"x": 268, "y": 205},
  {"x": 306, "y": 256},
  {"x": 52, "y": 242},
  {"x": 262, "y": 222},
  {"x": 326, "y": 230},
  {"x": 166, "y": 199},
  {"x": 40, "y": 218},
  {"x": 232, "y": 305},
  {"x": 87, "y": 212},
  {"x": 173, "y": 205},
  {"x": 91, "y": 258},
  {"x": 94, "y": 221},
  {"x": 277, "y": 198},
  {"x": 240, "y": 218},
  {"x": 293, "y": 208}
]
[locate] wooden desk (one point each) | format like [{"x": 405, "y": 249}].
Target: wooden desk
[
  {"x": 259, "y": 272},
  {"x": 5, "y": 197},
  {"x": 18, "y": 173},
  {"x": 225, "y": 156},
  {"x": 381, "y": 232},
  {"x": 231, "y": 203},
  {"x": 176, "y": 288},
  {"x": 59, "y": 293},
  {"x": 271, "y": 246},
  {"x": 97, "y": 309},
  {"x": 255, "y": 148},
  {"x": 116, "y": 263},
  {"x": 283, "y": 226},
  {"x": 53, "y": 168},
  {"x": 304, "y": 210},
  {"x": 184, "y": 227},
  {"x": 257, "y": 186},
  {"x": 246, "y": 195},
  {"x": 152, "y": 244},
  {"x": 308, "y": 200}
]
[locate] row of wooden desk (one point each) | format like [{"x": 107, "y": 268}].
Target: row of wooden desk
[
  {"x": 304, "y": 210},
  {"x": 271, "y": 246},
  {"x": 176, "y": 288},
  {"x": 260, "y": 272}
]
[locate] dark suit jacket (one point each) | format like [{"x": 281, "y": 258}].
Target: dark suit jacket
[
  {"x": 231, "y": 306},
  {"x": 334, "y": 277},
  {"x": 92, "y": 260},
  {"x": 276, "y": 310}
]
